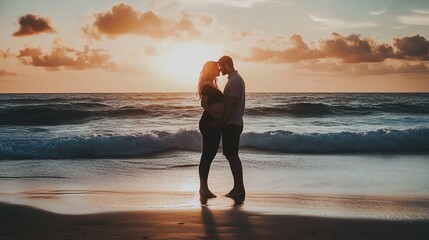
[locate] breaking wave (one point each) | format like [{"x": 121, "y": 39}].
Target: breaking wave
[{"x": 128, "y": 146}]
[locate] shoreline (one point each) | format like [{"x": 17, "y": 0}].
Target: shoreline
[
  {"x": 24, "y": 222},
  {"x": 86, "y": 201},
  {"x": 347, "y": 186}
]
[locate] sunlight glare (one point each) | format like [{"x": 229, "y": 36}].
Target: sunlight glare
[{"x": 184, "y": 61}]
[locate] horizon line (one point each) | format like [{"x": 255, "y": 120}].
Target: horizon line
[{"x": 167, "y": 92}]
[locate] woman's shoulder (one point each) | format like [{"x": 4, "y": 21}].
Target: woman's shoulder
[
  {"x": 206, "y": 90},
  {"x": 211, "y": 91},
  {"x": 208, "y": 87}
]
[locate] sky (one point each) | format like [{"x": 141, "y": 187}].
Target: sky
[{"x": 161, "y": 46}]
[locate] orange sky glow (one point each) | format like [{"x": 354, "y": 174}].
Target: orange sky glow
[{"x": 160, "y": 46}]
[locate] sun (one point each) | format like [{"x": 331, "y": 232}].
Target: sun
[{"x": 183, "y": 61}]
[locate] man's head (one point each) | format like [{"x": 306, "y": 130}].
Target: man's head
[{"x": 226, "y": 65}]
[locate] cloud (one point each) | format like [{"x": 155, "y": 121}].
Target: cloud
[
  {"x": 6, "y": 53},
  {"x": 338, "y": 23},
  {"x": 422, "y": 20},
  {"x": 4, "y": 73},
  {"x": 421, "y": 11},
  {"x": 361, "y": 69},
  {"x": 413, "y": 48},
  {"x": 62, "y": 57},
  {"x": 150, "y": 51},
  {"x": 346, "y": 49},
  {"x": 240, "y": 3},
  {"x": 207, "y": 20},
  {"x": 411, "y": 68},
  {"x": 353, "y": 49},
  {"x": 166, "y": 6},
  {"x": 239, "y": 36},
  {"x": 123, "y": 19},
  {"x": 31, "y": 24},
  {"x": 299, "y": 51},
  {"x": 91, "y": 33},
  {"x": 379, "y": 12}
]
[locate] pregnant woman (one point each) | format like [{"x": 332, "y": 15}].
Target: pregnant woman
[{"x": 214, "y": 108}]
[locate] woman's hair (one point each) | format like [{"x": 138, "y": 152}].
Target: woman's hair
[{"x": 208, "y": 74}]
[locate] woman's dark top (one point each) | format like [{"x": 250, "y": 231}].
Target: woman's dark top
[{"x": 214, "y": 95}]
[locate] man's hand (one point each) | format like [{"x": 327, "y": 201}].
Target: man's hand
[{"x": 230, "y": 107}]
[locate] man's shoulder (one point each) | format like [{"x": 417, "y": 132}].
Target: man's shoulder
[
  {"x": 237, "y": 76},
  {"x": 236, "y": 79}
]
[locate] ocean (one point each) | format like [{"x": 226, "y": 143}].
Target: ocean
[{"x": 350, "y": 146}]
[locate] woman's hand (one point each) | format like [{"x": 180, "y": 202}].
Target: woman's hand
[{"x": 216, "y": 110}]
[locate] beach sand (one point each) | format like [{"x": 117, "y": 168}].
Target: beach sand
[
  {"x": 23, "y": 222},
  {"x": 287, "y": 197}
]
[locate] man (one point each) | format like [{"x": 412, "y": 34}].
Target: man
[{"x": 232, "y": 123}]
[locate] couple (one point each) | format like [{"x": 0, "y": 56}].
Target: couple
[{"x": 222, "y": 116}]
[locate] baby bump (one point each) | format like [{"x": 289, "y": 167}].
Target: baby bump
[{"x": 218, "y": 109}]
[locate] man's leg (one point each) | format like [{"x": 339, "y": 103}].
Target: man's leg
[
  {"x": 231, "y": 141},
  {"x": 237, "y": 173}
]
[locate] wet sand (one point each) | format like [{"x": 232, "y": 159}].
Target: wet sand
[{"x": 23, "y": 222}]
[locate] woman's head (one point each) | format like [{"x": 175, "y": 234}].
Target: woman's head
[{"x": 208, "y": 75}]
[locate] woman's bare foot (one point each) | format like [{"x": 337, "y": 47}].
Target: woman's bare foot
[{"x": 207, "y": 194}]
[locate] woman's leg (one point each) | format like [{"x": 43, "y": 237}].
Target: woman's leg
[{"x": 211, "y": 139}]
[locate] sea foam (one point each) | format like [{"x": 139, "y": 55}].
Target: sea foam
[{"x": 137, "y": 145}]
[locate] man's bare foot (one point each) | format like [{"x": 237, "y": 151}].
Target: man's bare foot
[
  {"x": 207, "y": 194},
  {"x": 236, "y": 194}
]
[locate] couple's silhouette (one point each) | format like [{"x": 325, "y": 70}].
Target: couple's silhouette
[{"x": 222, "y": 119}]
